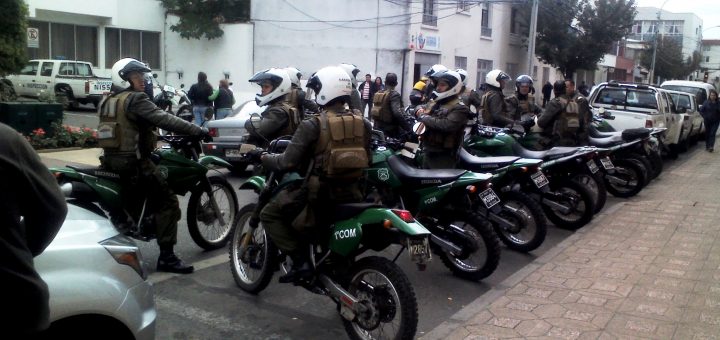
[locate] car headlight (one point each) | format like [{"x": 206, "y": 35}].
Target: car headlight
[{"x": 125, "y": 252}]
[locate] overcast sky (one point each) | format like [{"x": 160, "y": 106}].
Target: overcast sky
[{"x": 707, "y": 10}]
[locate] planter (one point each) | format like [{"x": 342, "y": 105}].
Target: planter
[{"x": 28, "y": 116}]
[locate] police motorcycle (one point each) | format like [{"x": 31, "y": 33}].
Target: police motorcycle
[
  {"x": 374, "y": 298},
  {"x": 210, "y": 211},
  {"x": 169, "y": 97},
  {"x": 518, "y": 220},
  {"x": 443, "y": 201},
  {"x": 568, "y": 203}
]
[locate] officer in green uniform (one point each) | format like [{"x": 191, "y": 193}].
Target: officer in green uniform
[
  {"x": 331, "y": 149},
  {"x": 279, "y": 118},
  {"x": 352, "y": 71},
  {"x": 126, "y": 132},
  {"x": 388, "y": 113},
  {"x": 493, "y": 109},
  {"x": 444, "y": 122},
  {"x": 297, "y": 97},
  {"x": 566, "y": 117},
  {"x": 522, "y": 102}
]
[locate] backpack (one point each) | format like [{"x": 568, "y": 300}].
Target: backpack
[
  {"x": 340, "y": 150},
  {"x": 568, "y": 122},
  {"x": 378, "y": 104}
]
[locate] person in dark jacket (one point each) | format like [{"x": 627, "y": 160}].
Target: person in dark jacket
[
  {"x": 279, "y": 118},
  {"x": 522, "y": 102},
  {"x": 32, "y": 209},
  {"x": 444, "y": 123},
  {"x": 223, "y": 100},
  {"x": 127, "y": 134},
  {"x": 199, "y": 95},
  {"x": 391, "y": 118},
  {"x": 494, "y": 110},
  {"x": 710, "y": 112},
  {"x": 567, "y": 117},
  {"x": 546, "y": 92},
  {"x": 297, "y": 97}
]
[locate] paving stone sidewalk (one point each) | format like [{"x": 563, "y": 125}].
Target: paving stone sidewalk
[{"x": 650, "y": 269}]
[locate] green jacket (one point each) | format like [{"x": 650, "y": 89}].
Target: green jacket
[
  {"x": 554, "y": 109},
  {"x": 274, "y": 123},
  {"x": 445, "y": 125},
  {"x": 393, "y": 106},
  {"x": 496, "y": 109},
  {"x": 517, "y": 107}
]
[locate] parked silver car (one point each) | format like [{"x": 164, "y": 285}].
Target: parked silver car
[
  {"x": 98, "y": 287},
  {"x": 229, "y": 133}
]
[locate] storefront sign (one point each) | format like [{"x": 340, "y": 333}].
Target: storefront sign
[{"x": 423, "y": 41}]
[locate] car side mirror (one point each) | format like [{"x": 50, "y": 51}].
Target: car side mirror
[
  {"x": 419, "y": 128},
  {"x": 155, "y": 75}
]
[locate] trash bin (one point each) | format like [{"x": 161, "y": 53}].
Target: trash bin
[{"x": 21, "y": 116}]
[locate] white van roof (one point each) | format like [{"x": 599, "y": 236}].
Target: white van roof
[{"x": 689, "y": 83}]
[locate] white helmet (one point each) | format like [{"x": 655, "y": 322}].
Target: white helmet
[
  {"x": 280, "y": 82},
  {"x": 494, "y": 77},
  {"x": 330, "y": 83},
  {"x": 352, "y": 71},
  {"x": 122, "y": 68},
  {"x": 463, "y": 76},
  {"x": 453, "y": 79},
  {"x": 294, "y": 75},
  {"x": 435, "y": 69}
]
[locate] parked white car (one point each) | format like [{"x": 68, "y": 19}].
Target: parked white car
[
  {"x": 686, "y": 105},
  {"x": 98, "y": 287},
  {"x": 229, "y": 133},
  {"x": 699, "y": 89}
]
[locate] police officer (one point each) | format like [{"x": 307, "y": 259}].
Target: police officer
[
  {"x": 444, "y": 122},
  {"x": 128, "y": 119},
  {"x": 333, "y": 176},
  {"x": 567, "y": 116},
  {"x": 352, "y": 71},
  {"x": 417, "y": 95},
  {"x": 297, "y": 97},
  {"x": 388, "y": 116},
  {"x": 431, "y": 83},
  {"x": 522, "y": 102},
  {"x": 280, "y": 118},
  {"x": 493, "y": 107},
  {"x": 469, "y": 97}
]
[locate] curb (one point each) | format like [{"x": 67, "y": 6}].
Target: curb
[
  {"x": 74, "y": 148},
  {"x": 443, "y": 330}
]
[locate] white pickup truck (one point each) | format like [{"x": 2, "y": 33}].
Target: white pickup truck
[{"x": 73, "y": 82}]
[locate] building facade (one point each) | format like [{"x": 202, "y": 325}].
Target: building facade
[
  {"x": 652, "y": 23},
  {"x": 711, "y": 61}
]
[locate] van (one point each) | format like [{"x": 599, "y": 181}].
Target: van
[{"x": 699, "y": 89}]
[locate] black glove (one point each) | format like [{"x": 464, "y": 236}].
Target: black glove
[
  {"x": 255, "y": 155},
  {"x": 528, "y": 123},
  {"x": 205, "y": 134}
]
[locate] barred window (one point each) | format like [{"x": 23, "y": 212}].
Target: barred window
[{"x": 125, "y": 43}]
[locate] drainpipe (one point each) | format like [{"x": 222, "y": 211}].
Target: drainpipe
[
  {"x": 164, "y": 52},
  {"x": 402, "y": 73}
]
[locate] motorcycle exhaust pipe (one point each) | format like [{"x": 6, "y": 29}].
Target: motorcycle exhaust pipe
[
  {"x": 349, "y": 305},
  {"x": 447, "y": 245}
]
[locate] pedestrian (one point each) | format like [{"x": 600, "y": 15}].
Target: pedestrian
[
  {"x": 583, "y": 89},
  {"x": 710, "y": 112},
  {"x": 32, "y": 209},
  {"x": 546, "y": 92},
  {"x": 199, "y": 94},
  {"x": 223, "y": 100},
  {"x": 388, "y": 114},
  {"x": 367, "y": 91},
  {"x": 379, "y": 86},
  {"x": 128, "y": 120}
]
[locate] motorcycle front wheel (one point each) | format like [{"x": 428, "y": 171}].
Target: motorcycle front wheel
[
  {"x": 571, "y": 196},
  {"x": 528, "y": 219},
  {"x": 253, "y": 257},
  {"x": 382, "y": 287},
  {"x": 203, "y": 221},
  {"x": 596, "y": 185}
]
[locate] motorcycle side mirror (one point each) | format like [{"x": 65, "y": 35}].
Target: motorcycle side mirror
[
  {"x": 604, "y": 114},
  {"x": 182, "y": 86},
  {"x": 155, "y": 75},
  {"x": 419, "y": 128}
]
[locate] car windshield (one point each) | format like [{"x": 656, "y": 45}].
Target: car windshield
[
  {"x": 631, "y": 97},
  {"x": 698, "y": 92}
]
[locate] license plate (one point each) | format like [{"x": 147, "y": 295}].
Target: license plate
[
  {"x": 489, "y": 198},
  {"x": 102, "y": 86},
  {"x": 607, "y": 163},
  {"x": 232, "y": 153},
  {"x": 419, "y": 249},
  {"x": 592, "y": 166},
  {"x": 539, "y": 179}
]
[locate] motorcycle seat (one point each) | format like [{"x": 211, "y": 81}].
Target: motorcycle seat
[
  {"x": 348, "y": 210},
  {"x": 605, "y": 141},
  {"x": 421, "y": 177},
  {"x": 592, "y": 132},
  {"x": 546, "y": 155},
  {"x": 474, "y": 163},
  {"x": 97, "y": 172}
]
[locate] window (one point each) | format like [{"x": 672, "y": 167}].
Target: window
[
  {"x": 429, "y": 13},
  {"x": 673, "y": 27},
  {"x": 706, "y": 48},
  {"x": 652, "y": 28},
  {"x": 512, "y": 70},
  {"x": 46, "y": 69},
  {"x": 30, "y": 69},
  {"x": 637, "y": 27},
  {"x": 65, "y": 41},
  {"x": 43, "y": 49},
  {"x": 707, "y": 59},
  {"x": 513, "y": 21},
  {"x": 485, "y": 29},
  {"x": 67, "y": 69},
  {"x": 483, "y": 67},
  {"x": 62, "y": 42},
  {"x": 461, "y": 62},
  {"x": 141, "y": 45},
  {"x": 463, "y": 5},
  {"x": 627, "y": 97},
  {"x": 83, "y": 70}
]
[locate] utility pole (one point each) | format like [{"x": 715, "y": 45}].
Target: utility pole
[
  {"x": 531, "y": 38},
  {"x": 657, "y": 29}
]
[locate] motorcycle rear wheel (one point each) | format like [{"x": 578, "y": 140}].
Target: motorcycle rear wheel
[
  {"x": 252, "y": 266},
  {"x": 630, "y": 171},
  {"x": 484, "y": 260},
  {"x": 392, "y": 305},
  {"x": 203, "y": 224},
  {"x": 596, "y": 185},
  {"x": 576, "y": 196},
  {"x": 521, "y": 209}
]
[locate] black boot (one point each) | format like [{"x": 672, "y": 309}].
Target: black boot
[
  {"x": 169, "y": 262},
  {"x": 300, "y": 269}
]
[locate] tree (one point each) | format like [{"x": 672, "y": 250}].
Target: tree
[
  {"x": 576, "y": 34},
  {"x": 203, "y": 17},
  {"x": 13, "y": 26},
  {"x": 669, "y": 63}
]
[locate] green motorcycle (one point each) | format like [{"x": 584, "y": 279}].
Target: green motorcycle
[
  {"x": 211, "y": 209},
  {"x": 374, "y": 297}
]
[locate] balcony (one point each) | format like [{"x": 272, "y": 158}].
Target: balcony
[
  {"x": 486, "y": 32},
  {"x": 429, "y": 19}
]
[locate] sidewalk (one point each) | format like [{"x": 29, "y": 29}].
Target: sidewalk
[
  {"x": 88, "y": 157},
  {"x": 649, "y": 269}
]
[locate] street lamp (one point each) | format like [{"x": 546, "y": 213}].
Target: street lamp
[{"x": 657, "y": 28}]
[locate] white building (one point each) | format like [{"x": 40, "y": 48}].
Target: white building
[
  {"x": 711, "y": 61},
  {"x": 685, "y": 28},
  {"x": 104, "y": 31}
]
